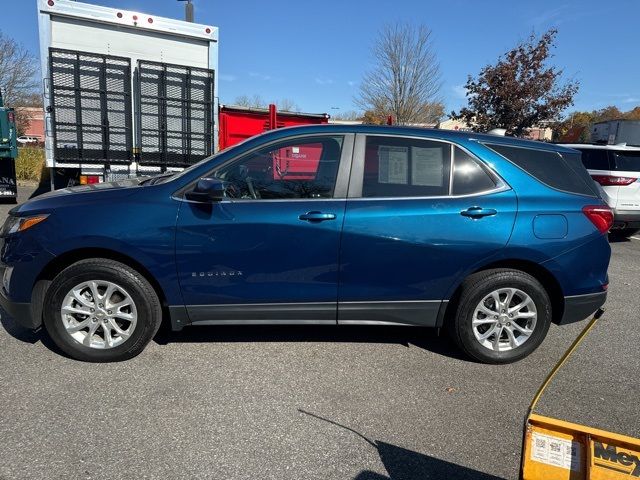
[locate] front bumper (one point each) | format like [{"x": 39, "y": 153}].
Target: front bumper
[
  {"x": 20, "y": 312},
  {"x": 579, "y": 307}
]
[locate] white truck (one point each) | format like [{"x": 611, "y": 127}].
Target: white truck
[{"x": 125, "y": 93}]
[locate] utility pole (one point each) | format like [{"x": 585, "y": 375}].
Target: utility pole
[{"x": 188, "y": 10}]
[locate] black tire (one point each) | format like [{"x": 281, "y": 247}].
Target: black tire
[
  {"x": 481, "y": 284},
  {"x": 149, "y": 311}
]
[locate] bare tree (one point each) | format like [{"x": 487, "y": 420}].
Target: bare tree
[
  {"x": 349, "y": 115},
  {"x": 254, "y": 101},
  {"x": 18, "y": 68},
  {"x": 287, "y": 105},
  {"x": 405, "y": 82}
]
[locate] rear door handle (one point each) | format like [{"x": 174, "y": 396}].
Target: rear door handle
[
  {"x": 317, "y": 216},
  {"x": 478, "y": 212}
]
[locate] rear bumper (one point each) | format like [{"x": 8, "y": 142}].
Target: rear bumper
[
  {"x": 20, "y": 312},
  {"x": 626, "y": 219},
  {"x": 579, "y": 307}
]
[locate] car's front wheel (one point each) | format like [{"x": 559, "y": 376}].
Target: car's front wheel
[
  {"x": 101, "y": 310},
  {"x": 502, "y": 316}
]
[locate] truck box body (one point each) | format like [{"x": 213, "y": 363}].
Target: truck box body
[
  {"x": 126, "y": 91},
  {"x": 616, "y": 131}
]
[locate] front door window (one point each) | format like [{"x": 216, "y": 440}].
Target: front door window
[{"x": 302, "y": 168}]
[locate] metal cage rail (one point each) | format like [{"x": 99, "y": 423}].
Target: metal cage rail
[
  {"x": 175, "y": 116},
  {"x": 91, "y": 107}
]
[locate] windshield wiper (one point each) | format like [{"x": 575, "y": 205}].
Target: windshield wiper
[{"x": 156, "y": 179}]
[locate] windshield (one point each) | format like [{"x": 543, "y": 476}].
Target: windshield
[
  {"x": 627, "y": 161},
  {"x": 177, "y": 175}
]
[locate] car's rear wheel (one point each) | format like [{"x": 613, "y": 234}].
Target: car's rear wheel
[
  {"x": 502, "y": 316},
  {"x": 101, "y": 310}
]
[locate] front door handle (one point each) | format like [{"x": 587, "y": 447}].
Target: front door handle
[
  {"x": 317, "y": 216},
  {"x": 478, "y": 212}
]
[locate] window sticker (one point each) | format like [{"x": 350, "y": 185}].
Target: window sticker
[
  {"x": 427, "y": 166},
  {"x": 393, "y": 164}
]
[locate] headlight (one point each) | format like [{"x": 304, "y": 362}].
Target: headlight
[{"x": 20, "y": 224}]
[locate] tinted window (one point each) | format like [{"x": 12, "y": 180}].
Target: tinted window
[
  {"x": 300, "y": 168},
  {"x": 595, "y": 159},
  {"x": 574, "y": 162},
  {"x": 405, "y": 167},
  {"x": 627, "y": 161},
  {"x": 566, "y": 174},
  {"x": 468, "y": 175}
]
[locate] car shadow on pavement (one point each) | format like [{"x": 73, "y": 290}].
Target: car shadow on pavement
[
  {"x": 425, "y": 338},
  {"x": 401, "y": 463},
  {"x": 27, "y": 335},
  {"x": 421, "y": 337}
]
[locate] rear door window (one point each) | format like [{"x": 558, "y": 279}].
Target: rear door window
[
  {"x": 626, "y": 161},
  {"x": 406, "y": 167},
  {"x": 562, "y": 172}
]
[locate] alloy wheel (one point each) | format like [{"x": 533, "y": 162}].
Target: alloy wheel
[
  {"x": 99, "y": 314},
  {"x": 504, "y": 319}
]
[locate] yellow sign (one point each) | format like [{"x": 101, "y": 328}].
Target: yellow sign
[{"x": 559, "y": 450}]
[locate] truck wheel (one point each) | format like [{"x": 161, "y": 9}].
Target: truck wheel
[
  {"x": 502, "y": 316},
  {"x": 100, "y": 310}
]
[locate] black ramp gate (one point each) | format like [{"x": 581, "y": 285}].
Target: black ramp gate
[
  {"x": 174, "y": 114},
  {"x": 91, "y": 99}
]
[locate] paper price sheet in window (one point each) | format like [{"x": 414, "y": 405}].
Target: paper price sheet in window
[{"x": 426, "y": 165}]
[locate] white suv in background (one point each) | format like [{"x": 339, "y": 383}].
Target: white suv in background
[
  {"x": 617, "y": 169},
  {"x": 25, "y": 139}
]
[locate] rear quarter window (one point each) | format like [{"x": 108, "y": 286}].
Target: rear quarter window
[{"x": 563, "y": 172}]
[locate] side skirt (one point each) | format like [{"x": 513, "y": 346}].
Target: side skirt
[
  {"x": 412, "y": 313},
  {"x": 419, "y": 313}
]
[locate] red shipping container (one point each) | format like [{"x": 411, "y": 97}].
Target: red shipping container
[
  {"x": 296, "y": 163},
  {"x": 239, "y": 123}
]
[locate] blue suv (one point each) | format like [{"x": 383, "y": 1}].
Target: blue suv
[{"x": 491, "y": 238}]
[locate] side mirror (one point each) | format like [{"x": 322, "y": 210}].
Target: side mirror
[{"x": 207, "y": 190}]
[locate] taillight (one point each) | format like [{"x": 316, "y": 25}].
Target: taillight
[
  {"x": 12, "y": 117},
  {"x": 610, "y": 180},
  {"x": 89, "y": 179},
  {"x": 600, "y": 216}
]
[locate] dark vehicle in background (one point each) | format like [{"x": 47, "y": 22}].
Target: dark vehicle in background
[
  {"x": 491, "y": 238},
  {"x": 8, "y": 153}
]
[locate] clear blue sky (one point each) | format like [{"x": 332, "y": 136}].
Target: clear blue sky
[{"x": 315, "y": 52}]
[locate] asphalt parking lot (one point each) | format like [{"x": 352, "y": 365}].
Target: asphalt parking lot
[{"x": 307, "y": 402}]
